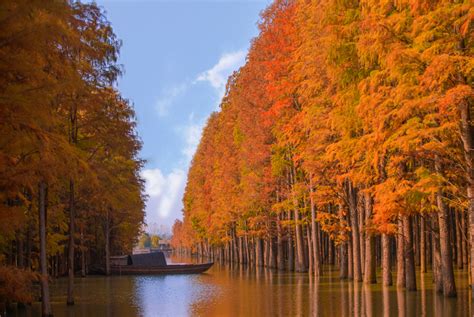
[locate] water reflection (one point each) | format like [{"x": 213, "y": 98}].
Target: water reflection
[{"x": 243, "y": 291}]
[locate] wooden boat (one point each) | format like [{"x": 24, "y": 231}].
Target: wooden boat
[{"x": 153, "y": 263}]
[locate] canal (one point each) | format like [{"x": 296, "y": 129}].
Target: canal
[{"x": 239, "y": 291}]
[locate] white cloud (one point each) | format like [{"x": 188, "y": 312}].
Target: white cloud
[
  {"x": 192, "y": 135},
  {"x": 167, "y": 98},
  {"x": 165, "y": 193},
  {"x": 218, "y": 74}
]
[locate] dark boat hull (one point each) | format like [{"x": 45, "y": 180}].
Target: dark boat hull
[{"x": 160, "y": 270}]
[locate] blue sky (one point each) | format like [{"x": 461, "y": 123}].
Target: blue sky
[{"x": 177, "y": 56}]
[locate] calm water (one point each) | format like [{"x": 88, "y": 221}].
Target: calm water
[{"x": 224, "y": 291}]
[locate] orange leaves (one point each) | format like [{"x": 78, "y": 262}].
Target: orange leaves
[{"x": 334, "y": 91}]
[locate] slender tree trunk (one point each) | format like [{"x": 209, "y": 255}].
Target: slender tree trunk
[
  {"x": 19, "y": 251},
  {"x": 422, "y": 245},
  {"x": 314, "y": 236},
  {"x": 42, "y": 206},
  {"x": 343, "y": 274},
  {"x": 280, "y": 255},
  {"x": 449, "y": 286},
  {"x": 107, "y": 245},
  {"x": 291, "y": 254},
  {"x": 467, "y": 136},
  {"x": 310, "y": 251},
  {"x": 299, "y": 243},
  {"x": 386, "y": 266},
  {"x": 459, "y": 244},
  {"x": 369, "y": 276},
  {"x": 259, "y": 250},
  {"x": 401, "y": 278},
  {"x": 352, "y": 196},
  {"x": 437, "y": 271},
  {"x": 83, "y": 255},
  {"x": 409, "y": 254},
  {"x": 70, "y": 288}
]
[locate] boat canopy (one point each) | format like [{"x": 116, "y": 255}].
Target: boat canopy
[{"x": 147, "y": 259}]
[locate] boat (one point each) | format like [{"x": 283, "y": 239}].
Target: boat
[{"x": 153, "y": 263}]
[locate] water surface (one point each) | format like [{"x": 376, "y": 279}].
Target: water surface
[{"x": 240, "y": 291}]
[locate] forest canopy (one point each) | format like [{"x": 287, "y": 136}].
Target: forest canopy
[{"x": 347, "y": 138}]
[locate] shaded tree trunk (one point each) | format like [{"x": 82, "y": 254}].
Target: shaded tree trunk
[
  {"x": 107, "y": 245},
  {"x": 70, "y": 288},
  {"x": 42, "y": 206}
]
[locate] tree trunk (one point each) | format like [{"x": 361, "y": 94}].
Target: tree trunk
[
  {"x": 299, "y": 243},
  {"x": 291, "y": 253},
  {"x": 369, "y": 276},
  {"x": 386, "y": 267},
  {"x": 259, "y": 250},
  {"x": 107, "y": 245},
  {"x": 352, "y": 196},
  {"x": 467, "y": 136},
  {"x": 343, "y": 266},
  {"x": 42, "y": 206},
  {"x": 409, "y": 254},
  {"x": 401, "y": 278},
  {"x": 310, "y": 251},
  {"x": 83, "y": 255},
  {"x": 437, "y": 272},
  {"x": 449, "y": 286},
  {"x": 70, "y": 288},
  {"x": 459, "y": 244},
  {"x": 280, "y": 255},
  {"x": 422, "y": 245},
  {"x": 314, "y": 237}
]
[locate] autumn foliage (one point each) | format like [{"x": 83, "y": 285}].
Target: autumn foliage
[{"x": 350, "y": 122}]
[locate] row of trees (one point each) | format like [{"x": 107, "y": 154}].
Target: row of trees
[
  {"x": 347, "y": 138},
  {"x": 70, "y": 188}
]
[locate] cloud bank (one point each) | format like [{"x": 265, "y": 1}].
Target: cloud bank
[{"x": 217, "y": 75}]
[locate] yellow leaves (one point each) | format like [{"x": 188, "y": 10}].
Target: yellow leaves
[{"x": 337, "y": 228}]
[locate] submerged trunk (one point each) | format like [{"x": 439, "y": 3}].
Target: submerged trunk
[
  {"x": 70, "y": 287},
  {"x": 42, "y": 206}
]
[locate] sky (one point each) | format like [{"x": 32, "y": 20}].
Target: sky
[{"x": 177, "y": 56}]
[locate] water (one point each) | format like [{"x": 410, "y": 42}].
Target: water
[{"x": 239, "y": 291}]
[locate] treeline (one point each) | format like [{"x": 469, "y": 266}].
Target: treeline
[
  {"x": 70, "y": 188},
  {"x": 346, "y": 139}
]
